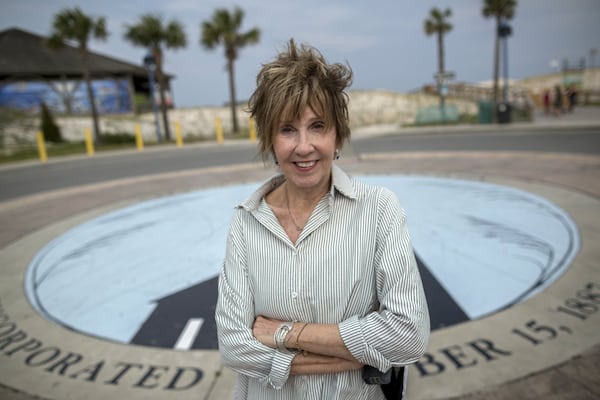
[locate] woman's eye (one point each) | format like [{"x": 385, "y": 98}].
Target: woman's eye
[
  {"x": 286, "y": 129},
  {"x": 318, "y": 126}
]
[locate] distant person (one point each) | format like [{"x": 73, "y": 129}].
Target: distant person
[
  {"x": 571, "y": 98},
  {"x": 546, "y": 100},
  {"x": 319, "y": 278},
  {"x": 558, "y": 101}
]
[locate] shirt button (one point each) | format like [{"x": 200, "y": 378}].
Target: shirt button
[
  {"x": 294, "y": 295},
  {"x": 295, "y": 254}
]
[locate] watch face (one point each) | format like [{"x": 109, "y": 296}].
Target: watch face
[{"x": 147, "y": 274}]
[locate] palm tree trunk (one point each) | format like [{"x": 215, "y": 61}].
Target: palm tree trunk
[
  {"x": 163, "y": 104},
  {"x": 496, "y": 64},
  {"x": 90, "y": 93},
  {"x": 440, "y": 38},
  {"x": 232, "y": 100},
  {"x": 160, "y": 78}
]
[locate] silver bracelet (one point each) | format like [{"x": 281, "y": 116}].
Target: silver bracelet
[{"x": 280, "y": 335}]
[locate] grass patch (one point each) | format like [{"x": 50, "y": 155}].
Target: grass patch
[
  {"x": 111, "y": 142},
  {"x": 60, "y": 150}
]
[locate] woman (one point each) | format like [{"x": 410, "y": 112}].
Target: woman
[{"x": 319, "y": 278}]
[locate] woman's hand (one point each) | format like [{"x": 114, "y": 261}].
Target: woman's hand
[{"x": 263, "y": 330}]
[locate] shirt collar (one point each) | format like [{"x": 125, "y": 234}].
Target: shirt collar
[{"x": 341, "y": 183}]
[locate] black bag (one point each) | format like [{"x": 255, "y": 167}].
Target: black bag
[
  {"x": 396, "y": 389},
  {"x": 393, "y": 381}
]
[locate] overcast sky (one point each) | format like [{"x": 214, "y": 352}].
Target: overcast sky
[{"x": 382, "y": 40}]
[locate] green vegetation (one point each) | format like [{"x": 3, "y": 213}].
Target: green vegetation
[
  {"x": 438, "y": 24},
  {"x": 500, "y": 10},
  {"x": 110, "y": 142},
  {"x": 460, "y": 119},
  {"x": 152, "y": 34},
  {"x": 75, "y": 26},
  {"x": 223, "y": 30},
  {"x": 48, "y": 127}
]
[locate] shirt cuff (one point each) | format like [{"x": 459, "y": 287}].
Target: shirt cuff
[
  {"x": 280, "y": 369},
  {"x": 351, "y": 333}
]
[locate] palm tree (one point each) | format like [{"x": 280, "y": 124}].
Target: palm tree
[
  {"x": 223, "y": 29},
  {"x": 438, "y": 24},
  {"x": 150, "y": 33},
  {"x": 499, "y": 9},
  {"x": 73, "y": 25}
]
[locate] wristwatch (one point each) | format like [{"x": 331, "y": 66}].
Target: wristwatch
[{"x": 280, "y": 335}]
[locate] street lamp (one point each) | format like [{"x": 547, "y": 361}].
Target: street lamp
[{"x": 150, "y": 64}]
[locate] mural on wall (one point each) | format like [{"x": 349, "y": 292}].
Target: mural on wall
[{"x": 67, "y": 97}]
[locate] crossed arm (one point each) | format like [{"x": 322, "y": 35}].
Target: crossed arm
[{"x": 321, "y": 349}]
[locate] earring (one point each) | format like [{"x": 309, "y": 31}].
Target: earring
[{"x": 337, "y": 154}]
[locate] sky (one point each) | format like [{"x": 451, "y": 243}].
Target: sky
[{"x": 383, "y": 41}]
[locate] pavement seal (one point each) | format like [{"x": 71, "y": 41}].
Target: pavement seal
[{"x": 56, "y": 363}]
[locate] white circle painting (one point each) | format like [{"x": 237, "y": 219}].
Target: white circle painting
[{"x": 146, "y": 274}]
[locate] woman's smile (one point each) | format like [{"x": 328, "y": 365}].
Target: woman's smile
[{"x": 305, "y": 164}]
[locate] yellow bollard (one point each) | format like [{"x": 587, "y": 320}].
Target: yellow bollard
[
  {"x": 219, "y": 130},
  {"x": 89, "y": 143},
  {"x": 41, "y": 147},
  {"x": 178, "y": 138},
  {"x": 139, "y": 141},
  {"x": 252, "y": 127}
]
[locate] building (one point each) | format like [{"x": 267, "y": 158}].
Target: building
[{"x": 31, "y": 72}]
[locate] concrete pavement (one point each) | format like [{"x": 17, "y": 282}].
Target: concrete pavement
[{"x": 483, "y": 359}]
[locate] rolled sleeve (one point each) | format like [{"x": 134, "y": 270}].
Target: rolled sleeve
[
  {"x": 351, "y": 335},
  {"x": 351, "y": 332},
  {"x": 398, "y": 332},
  {"x": 280, "y": 370}
]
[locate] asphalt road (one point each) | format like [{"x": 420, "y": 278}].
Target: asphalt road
[
  {"x": 586, "y": 141},
  {"x": 30, "y": 178}
]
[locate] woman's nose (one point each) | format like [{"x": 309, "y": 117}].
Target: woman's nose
[{"x": 304, "y": 144}]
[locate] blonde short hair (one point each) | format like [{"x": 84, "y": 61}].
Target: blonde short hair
[{"x": 299, "y": 77}]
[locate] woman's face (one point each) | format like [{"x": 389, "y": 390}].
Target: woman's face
[{"x": 305, "y": 151}]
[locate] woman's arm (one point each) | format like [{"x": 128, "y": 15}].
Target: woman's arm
[
  {"x": 398, "y": 333},
  {"x": 320, "y": 347},
  {"x": 234, "y": 317},
  {"x": 309, "y": 363}
]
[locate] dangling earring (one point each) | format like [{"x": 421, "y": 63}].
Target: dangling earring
[{"x": 337, "y": 154}]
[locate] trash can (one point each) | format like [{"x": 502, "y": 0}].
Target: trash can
[
  {"x": 485, "y": 115},
  {"x": 503, "y": 113}
]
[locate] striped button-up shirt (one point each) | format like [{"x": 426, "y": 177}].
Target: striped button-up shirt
[{"x": 352, "y": 265}]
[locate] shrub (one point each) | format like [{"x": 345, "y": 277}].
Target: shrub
[
  {"x": 48, "y": 127},
  {"x": 117, "y": 138}
]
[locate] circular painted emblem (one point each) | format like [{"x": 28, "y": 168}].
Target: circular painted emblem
[{"x": 147, "y": 274}]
